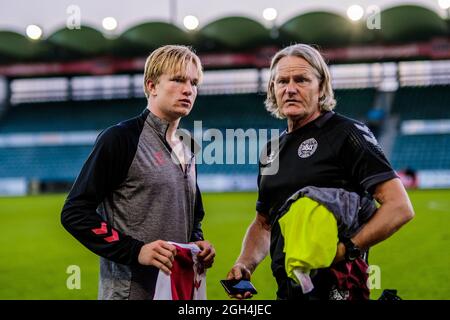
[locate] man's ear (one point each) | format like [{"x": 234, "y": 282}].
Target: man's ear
[
  {"x": 272, "y": 87},
  {"x": 151, "y": 87},
  {"x": 321, "y": 89}
]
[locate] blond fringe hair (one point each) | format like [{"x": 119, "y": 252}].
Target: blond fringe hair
[{"x": 170, "y": 59}]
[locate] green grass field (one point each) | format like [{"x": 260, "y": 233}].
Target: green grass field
[{"x": 36, "y": 251}]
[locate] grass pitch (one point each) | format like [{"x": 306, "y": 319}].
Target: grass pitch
[{"x": 35, "y": 250}]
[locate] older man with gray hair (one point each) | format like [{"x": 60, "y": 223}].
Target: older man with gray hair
[{"x": 321, "y": 149}]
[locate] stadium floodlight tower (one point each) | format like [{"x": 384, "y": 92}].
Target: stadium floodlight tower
[{"x": 270, "y": 15}]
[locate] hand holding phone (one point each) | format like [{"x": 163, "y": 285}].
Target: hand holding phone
[{"x": 233, "y": 286}]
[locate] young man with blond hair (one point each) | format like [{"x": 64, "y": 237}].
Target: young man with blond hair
[{"x": 138, "y": 189}]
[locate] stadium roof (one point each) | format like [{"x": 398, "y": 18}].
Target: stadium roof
[{"x": 399, "y": 24}]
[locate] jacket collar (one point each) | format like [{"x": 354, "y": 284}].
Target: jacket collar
[
  {"x": 159, "y": 125},
  {"x": 320, "y": 121}
]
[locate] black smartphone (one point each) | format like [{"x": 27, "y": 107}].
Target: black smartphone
[{"x": 238, "y": 286}]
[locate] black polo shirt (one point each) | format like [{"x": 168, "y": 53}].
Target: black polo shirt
[{"x": 332, "y": 151}]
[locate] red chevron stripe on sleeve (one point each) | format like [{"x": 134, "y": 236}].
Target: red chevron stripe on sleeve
[
  {"x": 104, "y": 230},
  {"x": 113, "y": 237}
]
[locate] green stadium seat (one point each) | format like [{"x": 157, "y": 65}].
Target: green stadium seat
[{"x": 421, "y": 103}]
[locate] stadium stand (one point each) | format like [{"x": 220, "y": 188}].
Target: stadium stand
[
  {"x": 231, "y": 111},
  {"x": 248, "y": 111},
  {"x": 222, "y": 112},
  {"x": 68, "y": 116},
  {"x": 355, "y": 103},
  {"x": 60, "y": 163},
  {"x": 425, "y": 102},
  {"x": 422, "y": 152},
  {"x": 245, "y": 111}
]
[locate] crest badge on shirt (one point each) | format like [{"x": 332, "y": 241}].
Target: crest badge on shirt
[{"x": 307, "y": 148}]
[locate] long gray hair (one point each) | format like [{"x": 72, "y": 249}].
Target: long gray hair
[{"x": 315, "y": 59}]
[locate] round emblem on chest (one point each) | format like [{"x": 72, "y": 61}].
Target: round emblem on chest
[{"x": 307, "y": 148}]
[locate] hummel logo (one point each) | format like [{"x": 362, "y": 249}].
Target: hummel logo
[
  {"x": 368, "y": 136},
  {"x": 104, "y": 230}
]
